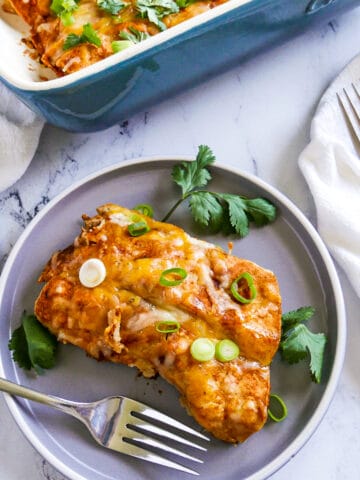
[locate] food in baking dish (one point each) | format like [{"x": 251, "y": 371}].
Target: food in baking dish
[
  {"x": 71, "y": 34},
  {"x": 153, "y": 277}
]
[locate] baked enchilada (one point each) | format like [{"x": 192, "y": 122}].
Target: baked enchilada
[
  {"x": 72, "y": 34},
  {"x": 144, "y": 293}
]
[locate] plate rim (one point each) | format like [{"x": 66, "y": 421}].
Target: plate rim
[{"x": 330, "y": 388}]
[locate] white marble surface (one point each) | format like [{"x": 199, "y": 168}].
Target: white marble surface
[{"x": 255, "y": 117}]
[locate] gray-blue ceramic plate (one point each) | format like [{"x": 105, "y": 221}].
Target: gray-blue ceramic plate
[{"x": 290, "y": 247}]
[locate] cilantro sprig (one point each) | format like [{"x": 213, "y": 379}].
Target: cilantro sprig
[
  {"x": 298, "y": 342},
  {"x": 220, "y": 211},
  {"x": 88, "y": 35},
  {"x": 155, "y": 10},
  {"x": 112, "y": 7},
  {"x": 33, "y": 346}
]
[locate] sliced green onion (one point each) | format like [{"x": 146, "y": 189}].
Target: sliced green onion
[
  {"x": 202, "y": 349},
  {"x": 167, "y": 326},
  {"x": 279, "y": 405},
  {"x": 145, "y": 209},
  {"x": 138, "y": 228},
  {"x": 136, "y": 218},
  {"x": 226, "y": 350},
  {"x": 119, "y": 45},
  {"x": 67, "y": 19},
  {"x": 249, "y": 286},
  {"x": 92, "y": 272},
  {"x": 172, "y": 277}
]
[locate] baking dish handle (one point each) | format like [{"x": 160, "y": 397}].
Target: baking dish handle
[{"x": 316, "y": 5}]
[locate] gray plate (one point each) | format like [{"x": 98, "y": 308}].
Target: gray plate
[{"x": 290, "y": 247}]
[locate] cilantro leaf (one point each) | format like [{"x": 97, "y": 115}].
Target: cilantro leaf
[
  {"x": 206, "y": 209},
  {"x": 298, "y": 342},
  {"x": 226, "y": 227},
  {"x": 155, "y": 10},
  {"x": 133, "y": 35},
  {"x": 41, "y": 343},
  {"x": 111, "y": 6},
  {"x": 18, "y": 345},
  {"x": 71, "y": 41},
  {"x": 240, "y": 212},
  {"x": 237, "y": 213},
  {"x": 128, "y": 38},
  {"x": 191, "y": 175},
  {"x": 33, "y": 345},
  {"x": 293, "y": 317},
  {"x": 88, "y": 35},
  {"x": 260, "y": 210}
]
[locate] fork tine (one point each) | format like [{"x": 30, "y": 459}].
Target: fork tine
[
  {"x": 353, "y": 106},
  {"x": 138, "y": 452},
  {"x": 152, "y": 442},
  {"x": 350, "y": 111},
  {"x": 355, "y": 87},
  {"x": 108, "y": 422},
  {"x": 139, "y": 407},
  {"x": 148, "y": 427}
]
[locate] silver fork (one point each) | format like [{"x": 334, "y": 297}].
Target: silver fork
[
  {"x": 116, "y": 423},
  {"x": 349, "y": 100}
]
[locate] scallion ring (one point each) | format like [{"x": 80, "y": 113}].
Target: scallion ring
[
  {"x": 139, "y": 228},
  {"x": 92, "y": 272},
  {"x": 172, "y": 277},
  {"x": 167, "y": 326},
  {"x": 226, "y": 350},
  {"x": 249, "y": 286},
  {"x": 202, "y": 349},
  {"x": 145, "y": 209},
  {"x": 120, "y": 45},
  {"x": 280, "y": 405}
]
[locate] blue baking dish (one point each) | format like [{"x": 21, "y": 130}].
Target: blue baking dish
[{"x": 180, "y": 57}]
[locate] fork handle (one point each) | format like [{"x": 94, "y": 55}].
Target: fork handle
[{"x": 51, "y": 401}]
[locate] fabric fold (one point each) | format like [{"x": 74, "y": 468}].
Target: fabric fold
[
  {"x": 331, "y": 168},
  {"x": 20, "y": 131}
]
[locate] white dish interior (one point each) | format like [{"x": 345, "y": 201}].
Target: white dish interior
[{"x": 18, "y": 69}]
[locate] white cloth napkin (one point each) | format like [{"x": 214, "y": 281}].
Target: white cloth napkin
[
  {"x": 20, "y": 130},
  {"x": 331, "y": 167}
]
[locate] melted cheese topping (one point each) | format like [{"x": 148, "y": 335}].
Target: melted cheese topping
[
  {"x": 155, "y": 314},
  {"x": 116, "y": 320},
  {"x": 120, "y": 219}
]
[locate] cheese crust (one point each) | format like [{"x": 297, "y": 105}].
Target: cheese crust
[{"x": 116, "y": 320}]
